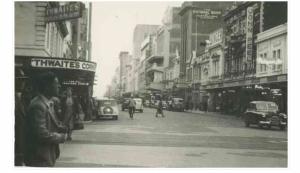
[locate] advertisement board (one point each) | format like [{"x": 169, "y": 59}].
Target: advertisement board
[{"x": 249, "y": 33}]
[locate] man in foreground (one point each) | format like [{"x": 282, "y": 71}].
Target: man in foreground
[{"x": 43, "y": 131}]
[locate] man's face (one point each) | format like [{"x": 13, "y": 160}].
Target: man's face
[{"x": 55, "y": 87}]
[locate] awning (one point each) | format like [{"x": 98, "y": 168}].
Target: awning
[{"x": 69, "y": 71}]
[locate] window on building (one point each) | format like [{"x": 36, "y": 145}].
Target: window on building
[
  {"x": 47, "y": 36},
  {"x": 274, "y": 54},
  {"x": 265, "y": 55},
  {"x": 279, "y": 67},
  {"x": 278, "y": 54}
]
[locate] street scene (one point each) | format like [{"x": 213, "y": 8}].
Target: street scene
[
  {"x": 178, "y": 140},
  {"x": 187, "y": 84}
]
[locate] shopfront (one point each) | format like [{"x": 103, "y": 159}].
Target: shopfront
[{"x": 79, "y": 75}]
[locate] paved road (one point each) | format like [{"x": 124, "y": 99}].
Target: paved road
[{"x": 179, "y": 140}]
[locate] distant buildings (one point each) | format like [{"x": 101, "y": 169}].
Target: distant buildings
[{"x": 218, "y": 56}]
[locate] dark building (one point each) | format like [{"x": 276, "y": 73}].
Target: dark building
[
  {"x": 198, "y": 19},
  {"x": 242, "y": 25}
]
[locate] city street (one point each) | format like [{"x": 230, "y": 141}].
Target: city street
[{"x": 178, "y": 140}]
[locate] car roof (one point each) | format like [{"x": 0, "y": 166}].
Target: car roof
[
  {"x": 108, "y": 99},
  {"x": 257, "y": 102}
]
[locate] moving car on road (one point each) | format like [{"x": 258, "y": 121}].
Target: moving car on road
[
  {"x": 125, "y": 104},
  {"x": 177, "y": 105},
  {"x": 264, "y": 113},
  {"x": 107, "y": 108},
  {"x": 138, "y": 104}
]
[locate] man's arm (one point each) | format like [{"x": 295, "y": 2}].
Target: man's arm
[{"x": 39, "y": 124}]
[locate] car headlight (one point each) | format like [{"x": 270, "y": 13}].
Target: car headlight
[{"x": 283, "y": 115}]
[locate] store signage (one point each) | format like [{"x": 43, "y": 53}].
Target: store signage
[
  {"x": 63, "y": 64},
  {"x": 207, "y": 14},
  {"x": 249, "y": 33},
  {"x": 64, "y": 12},
  {"x": 216, "y": 37},
  {"x": 75, "y": 83}
]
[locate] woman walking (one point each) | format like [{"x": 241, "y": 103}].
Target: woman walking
[
  {"x": 69, "y": 112},
  {"x": 131, "y": 107},
  {"x": 159, "y": 109}
]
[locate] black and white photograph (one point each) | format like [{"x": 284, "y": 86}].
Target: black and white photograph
[{"x": 150, "y": 84}]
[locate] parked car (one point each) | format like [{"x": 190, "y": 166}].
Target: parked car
[
  {"x": 125, "y": 104},
  {"x": 264, "y": 113},
  {"x": 107, "y": 108},
  {"x": 147, "y": 103},
  {"x": 164, "y": 105},
  {"x": 177, "y": 104},
  {"x": 138, "y": 104}
]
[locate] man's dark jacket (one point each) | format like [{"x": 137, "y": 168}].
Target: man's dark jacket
[{"x": 42, "y": 134}]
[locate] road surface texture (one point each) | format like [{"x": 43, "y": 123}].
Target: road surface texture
[{"x": 179, "y": 140}]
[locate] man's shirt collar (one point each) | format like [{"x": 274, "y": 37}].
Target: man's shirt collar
[{"x": 47, "y": 101}]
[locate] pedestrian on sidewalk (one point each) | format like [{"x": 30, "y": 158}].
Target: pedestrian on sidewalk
[
  {"x": 159, "y": 109},
  {"x": 20, "y": 79},
  {"x": 68, "y": 111},
  {"x": 131, "y": 107},
  {"x": 43, "y": 131}
]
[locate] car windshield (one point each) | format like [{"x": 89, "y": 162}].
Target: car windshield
[
  {"x": 107, "y": 103},
  {"x": 266, "y": 106},
  {"x": 178, "y": 100},
  {"x": 138, "y": 100}
]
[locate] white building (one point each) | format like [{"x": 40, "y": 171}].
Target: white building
[{"x": 272, "y": 52}]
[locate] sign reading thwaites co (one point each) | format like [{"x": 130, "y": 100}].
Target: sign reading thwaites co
[
  {"x": 63, "y": 64},
  {"x": 64, "y": 12}
]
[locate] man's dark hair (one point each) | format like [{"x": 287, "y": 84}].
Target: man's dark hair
[{"x": 44, "y": 80}]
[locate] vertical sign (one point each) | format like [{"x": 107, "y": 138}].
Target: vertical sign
[{"x": 249, "y": 33}]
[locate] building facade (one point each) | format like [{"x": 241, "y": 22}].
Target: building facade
[{"x": 44, "y": 41}]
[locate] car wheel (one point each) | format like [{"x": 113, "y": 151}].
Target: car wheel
[
  {"x": 142, "y": 111},
  {"x": 282, "y": 127},
  {"x": 247, "y": 124}
]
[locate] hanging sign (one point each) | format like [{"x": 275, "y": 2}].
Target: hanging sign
[
  {"x": 249, "y": 33},
  {"x": 64, "y": 12}
]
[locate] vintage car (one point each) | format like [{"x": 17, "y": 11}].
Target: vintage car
[
  {"x": 264, "y": 114},
  {"x": 107, "y": 108},
  {"x": 125, "y": 103},
  {"x": 138, "y": 104},
  {"x": 177, "y": 104}
]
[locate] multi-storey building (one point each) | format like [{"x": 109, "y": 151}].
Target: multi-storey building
[
  {"x": 168, "y": 44},
  {"x": 198, "y": 20},
  {"x": 271, "y": 64},
  {"x": 44, "y": 41},
  {"x": 124, "y": 58},
  {"x": 140, "y": 33}
]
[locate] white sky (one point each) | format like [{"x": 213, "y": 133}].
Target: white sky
[{"x": 112, "y": 31}]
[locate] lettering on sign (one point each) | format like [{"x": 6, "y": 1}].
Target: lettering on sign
[
  {"x": 249, "y": 33},
  {"x": 64, "y": 12},
  {"x": 207, "y": 14},
  {"x": 216, "y": 37},
  {"x": 63, "y": 64}
]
